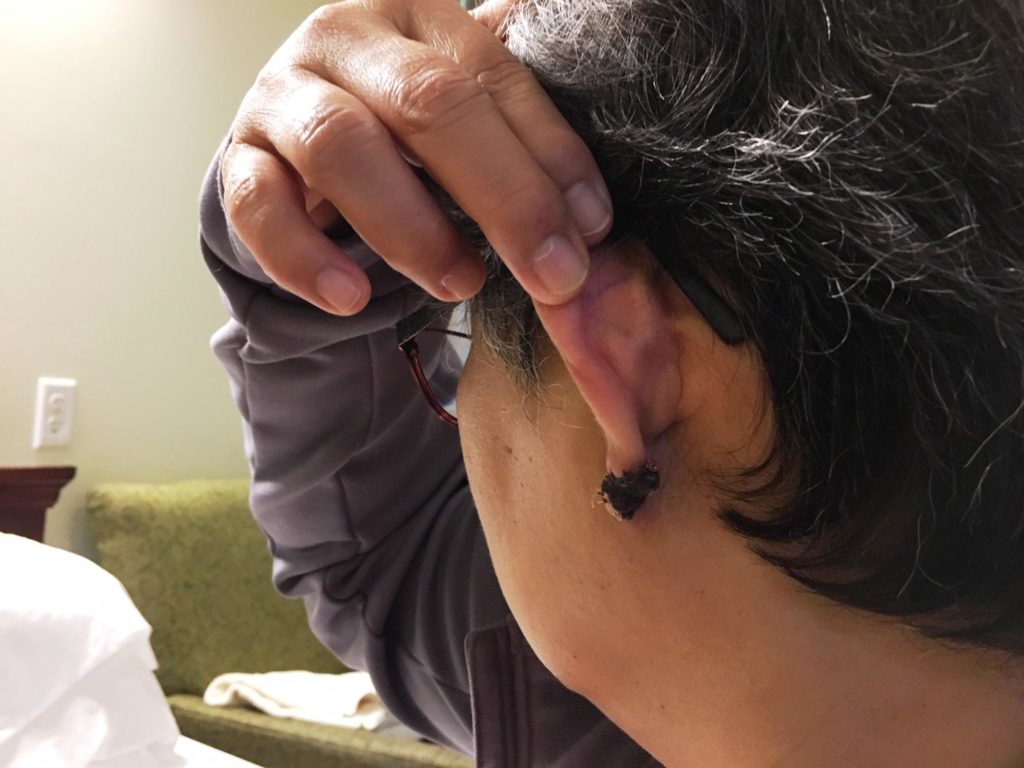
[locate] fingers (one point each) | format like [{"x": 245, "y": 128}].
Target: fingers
[
  {"x": 437, "y": 107},
  {"x": 362, "y": 86},
  {"x": 529, "y": 113},
  {"x": 323, "y": 213},
  {"x": 342, "y": 152},
  {"x": 484, "y": 130},
  {"x": 267, "y": 207}
]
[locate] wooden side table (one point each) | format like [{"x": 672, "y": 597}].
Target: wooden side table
[{"x": 25, "y": 495}]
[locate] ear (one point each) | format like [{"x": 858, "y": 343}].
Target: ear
[{"x": 622, "y": 342}]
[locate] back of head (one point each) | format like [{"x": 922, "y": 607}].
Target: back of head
[{"x": 852, "y": 175}]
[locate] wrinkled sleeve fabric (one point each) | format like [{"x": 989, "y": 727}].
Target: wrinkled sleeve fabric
[{"x": 358, "y": 486}]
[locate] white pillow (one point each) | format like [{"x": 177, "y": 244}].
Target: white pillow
[{"x": 76, "y": 668}]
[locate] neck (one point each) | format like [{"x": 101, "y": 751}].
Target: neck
[
  {"x": 761, "y": 674},
  {"x": 876, "y": 699},
  {"x": 834, "y": 699}
]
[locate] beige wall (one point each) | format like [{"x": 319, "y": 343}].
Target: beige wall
[{"x": 109, "y": 112}]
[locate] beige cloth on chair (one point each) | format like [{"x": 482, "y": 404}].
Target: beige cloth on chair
[{"x": 348, "y": 700}]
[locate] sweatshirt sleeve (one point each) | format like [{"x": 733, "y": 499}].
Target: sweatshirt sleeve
[{"x": 358, "y": 486}]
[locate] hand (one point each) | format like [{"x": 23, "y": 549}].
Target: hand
[{"x": 361, "y": 85}]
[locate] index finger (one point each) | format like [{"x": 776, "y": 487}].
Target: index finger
[
  {"x": 446, "y": 107},
  {"x": 528, "y": 110}
]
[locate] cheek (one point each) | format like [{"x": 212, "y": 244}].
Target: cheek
[
  {"x": 492, "y": 433},
  {"x": 487, "y": 434},
  {"x": 605, "y": 604},
  {"x": 532, "y": 470}
]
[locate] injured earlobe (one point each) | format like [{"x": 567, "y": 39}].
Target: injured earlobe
[{"x": 624, "y": 494}]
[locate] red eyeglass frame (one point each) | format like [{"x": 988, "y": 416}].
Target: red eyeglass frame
[
  {"x": 722, "y": 318},
  {"x": 407, "y": 330}
]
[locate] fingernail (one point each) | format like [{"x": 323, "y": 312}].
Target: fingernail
[
  {"x": 590, "y": 210},
  {"x": 461, "y": 283},
  {"x": 560, "y": 266},
  {"x": 338, "y": 290}
]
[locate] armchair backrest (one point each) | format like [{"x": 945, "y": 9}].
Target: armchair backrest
[{"x": 197, "y": 566}]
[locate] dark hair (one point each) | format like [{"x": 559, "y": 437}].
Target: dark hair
[{"x": 852, "y": 171}]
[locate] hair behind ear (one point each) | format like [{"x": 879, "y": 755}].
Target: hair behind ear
[{"x": 856, "y": 170}]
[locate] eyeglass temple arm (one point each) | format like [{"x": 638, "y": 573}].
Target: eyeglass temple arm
[
  {"x": 407, "y": 328},
  {"x": 412, "y": 352},
  {"x": 719, "y": 315}
]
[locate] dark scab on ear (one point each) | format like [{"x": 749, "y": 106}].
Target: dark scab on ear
[{"x": 624, "y": 494}]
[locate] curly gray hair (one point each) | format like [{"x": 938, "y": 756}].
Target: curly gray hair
[{"x": 852, "y": 171}]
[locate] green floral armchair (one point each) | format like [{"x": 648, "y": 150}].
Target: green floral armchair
[{"x": 197, "y": 567}]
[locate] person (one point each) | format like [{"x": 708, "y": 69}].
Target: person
[{"x": 804, "y": 327}]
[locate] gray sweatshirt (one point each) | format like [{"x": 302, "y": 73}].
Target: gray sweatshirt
[{"x": 362, "y": 494}]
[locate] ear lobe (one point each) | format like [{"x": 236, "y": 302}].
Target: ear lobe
[{"x": 619, "y": 342}]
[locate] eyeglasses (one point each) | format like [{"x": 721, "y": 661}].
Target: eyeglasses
[
  {"x": 430, "y": 319},
  {"x": 434, "y": 319}
]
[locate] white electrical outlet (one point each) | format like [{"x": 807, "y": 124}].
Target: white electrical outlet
[{"x": 55, "y": 410}]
